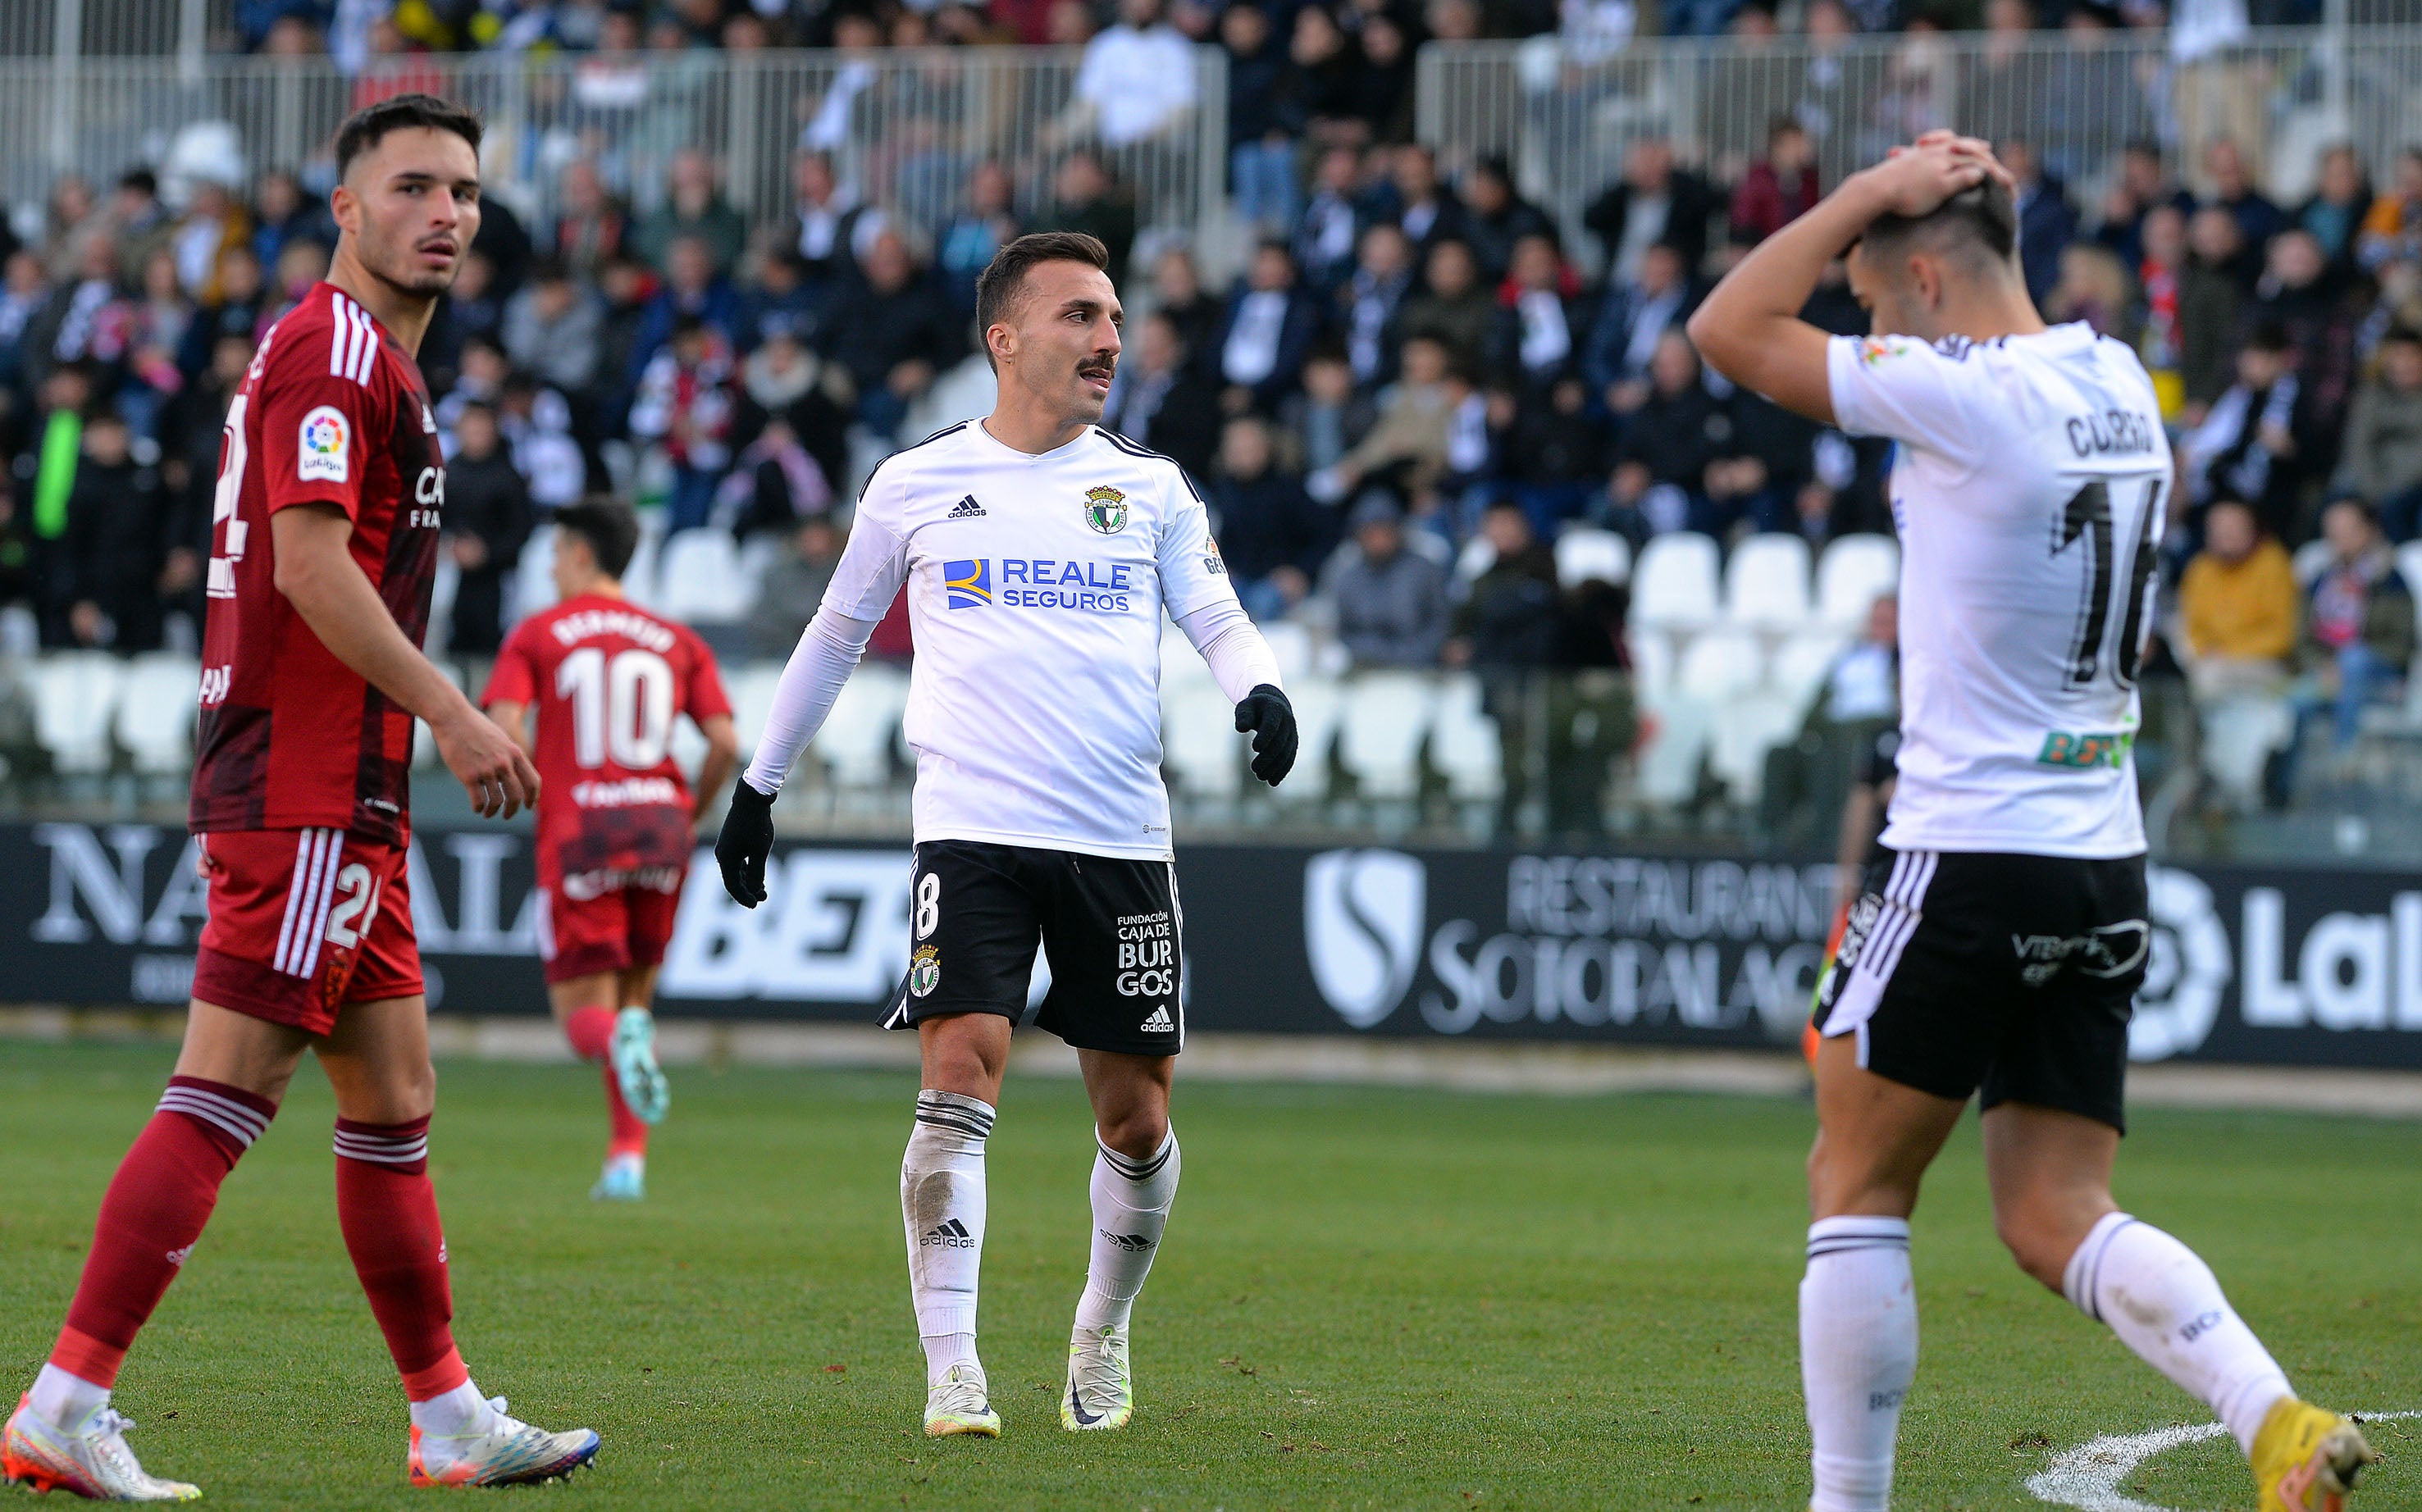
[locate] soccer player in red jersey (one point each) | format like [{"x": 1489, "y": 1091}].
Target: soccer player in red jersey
[
  {"x": 324, "y": 548},
  {"x": 617, "y": 821}
]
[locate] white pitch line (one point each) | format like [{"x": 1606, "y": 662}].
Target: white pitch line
[{"x": 2087, "y": 1477}]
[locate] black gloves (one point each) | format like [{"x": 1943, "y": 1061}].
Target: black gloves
[
  {"x": 1265, "y": 712},
  {"x": 747, "y": 840}
]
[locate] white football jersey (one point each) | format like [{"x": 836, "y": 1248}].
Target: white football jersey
[
  {"x": 2029, "y": 491},
  {"x": 1036, "y": 586}
]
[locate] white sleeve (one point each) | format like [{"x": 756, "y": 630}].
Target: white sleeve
[
  {"x": 871, "y": 568},
  {"x": 1239, "y": 659},
  {"x": 1900, "y": 387},
  {"x": 1192, "y": 574}
]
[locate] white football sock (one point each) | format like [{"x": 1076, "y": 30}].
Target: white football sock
[
  {"x": 454, "y": 1414},
  {"x": 2165, "y": 1304},
  {"x": 1131, "y": 1201},
  {"x": 1858, "y": 1354},
  {"x": 63, "y": 1400},
  {"x": 942, "y": 1205}
]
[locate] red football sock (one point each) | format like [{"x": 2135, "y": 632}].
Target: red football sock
[
  {"x": 153, "y": 1212},
  {"x": 591, "y": 1033},
  {"x": 388, "y": 1211}
]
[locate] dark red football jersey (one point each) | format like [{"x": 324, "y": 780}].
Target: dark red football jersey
[
  {"x": 331, "y": 411},
  {"x": 607, "y": 678}
]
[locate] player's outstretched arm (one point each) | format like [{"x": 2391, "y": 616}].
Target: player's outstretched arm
[
  {"x": 317, "y": 572},
  {"x": 1749, "y": 328}
]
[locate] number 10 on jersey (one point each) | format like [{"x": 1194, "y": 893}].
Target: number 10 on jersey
[{"x": 2088, "y": 518}]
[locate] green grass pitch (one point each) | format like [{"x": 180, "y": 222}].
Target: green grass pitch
[{"x": 1368, "y": 1299}]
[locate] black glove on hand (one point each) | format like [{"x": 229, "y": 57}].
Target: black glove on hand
[
  {"x": 747, "y": 840},
  {"x": 1267, "y": 712}
]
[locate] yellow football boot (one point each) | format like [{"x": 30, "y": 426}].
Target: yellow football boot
[{"x": 2305, "y": 1458}]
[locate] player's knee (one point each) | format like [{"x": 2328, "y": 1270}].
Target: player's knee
[
  {"x": 2034, "y": 1238},
  {"x": 1135, "y": 1132}
]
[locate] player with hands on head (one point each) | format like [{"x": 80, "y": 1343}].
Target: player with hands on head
[
  {"x": 2003, "y": 929},
  {"x": 1039, "y": 553},
  {"x": 324, "y": 540}
]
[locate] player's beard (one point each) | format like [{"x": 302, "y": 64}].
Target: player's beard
[{"x": 400, "y": 273}]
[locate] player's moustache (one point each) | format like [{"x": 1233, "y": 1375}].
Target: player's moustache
[{"x": 1097, "y": 367}]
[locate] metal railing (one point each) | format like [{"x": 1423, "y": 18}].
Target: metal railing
[
  {"x": 905, "y": 128},
  {"x": 1565, "y": 121}
]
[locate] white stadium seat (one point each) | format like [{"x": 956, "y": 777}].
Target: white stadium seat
[
  {"x": 641, "y": 581},
  {"x": 855, "y": 741},
  {"x": 1318, "y": 704},
  {"x": 1719, "y": 664},
  {"x": 533, "y": 584},
  {"x": 2409, "y": 566},
  {"x": 1198, "y": 739},
  {"x": 751, "y": 691},
  {"x": 1587, "y": 555},
  {"x": 155, "y": 717},
  {"x": 1673, "y": 582},
  {"x": 2238, "y": 735},
  {"x": 1678, "y": 727},
  {"x": 1854, "y": 571},
  {"x": 1747, "y": 727},
  {"x": 1463, "y": 741},
  {"x": 75, "y": 693},
  {"x": 700, "y": 578},
  {"x": 1801, "y": 663},
  {"x": 1289, "y": 642},
  {"x": 1379, "y": 738},
  {"x": 1651, "y": 662},
  {"x": 1766, "y": 584}
]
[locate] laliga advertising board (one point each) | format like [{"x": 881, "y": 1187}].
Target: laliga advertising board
[{"x": 2246, "y": 964}]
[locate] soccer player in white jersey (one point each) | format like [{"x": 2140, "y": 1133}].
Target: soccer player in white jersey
[
  {"x": 2003, "y": 931},
  {"x": 1038, "y": 552}
]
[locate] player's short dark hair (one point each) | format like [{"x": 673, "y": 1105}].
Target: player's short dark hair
[
  {"x": 1983, "y": 219},
  {"x": 610, "y": 528},
  {"x": 366, "y": 127},
  {"x": 2270, "y": 333},
  {"x": 1003, "y": 280}
]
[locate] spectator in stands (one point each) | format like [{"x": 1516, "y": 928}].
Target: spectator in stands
[
  {"x": 87, "y": 318},
  {"x": 2381, "y": 457},
  {"x": 985, "y": 222},
  {"x": 1084, "y": 197},
  {"x": 2299, "y": 291},
  {"x": 2258, "y": 219},
  {"x": 1330, "y": 416},
  {"x": 1780, "y": 187},
  {"x": 1761, "y": 462},
  {"x": 24, "y": 292},
  {"x": 1271, "y": 534},
  {"x": 691, "y": 291},
  {"x": 1177, "y": 292},
  {"x": 135, "y": 219},
  {"x": 794, "y": 586},
  {"x": 1535, "y": 340},
  {"x": 1454, "y": 310},
  {"x": 694, "y": 208},
  {"x": 2046, "y": 221},
  {"x": 2210, "y": 300},
  {"x": 1495, "y": 218},
  {"x": 1162, "y": 399},
  {"x": 487, "y": 524},
  {"x": 553, "y": 328},
  {"x": 773, "y": 485},
  {"x": 2237, "y": 608},
  {"x": 684, "y": 404},
  {"x": 1653, "y": 203},
  {"x": 1407, "y": 445},
  {"x": 1136, "y": 82},
  {"x": 2141, "y": 185},
  {"x": 2333, "y": 214},
  {"x": 834, "y": 230},
  {"x": 473, "y": 307},
  {"x": 1632, "y": 318},
  {"x": 1373, "y": 299},
  {"x": 590, "y": 226},
  {"x": 212, "y": 221},
  {"x": 2392, "y": 229},
  {"x": 1387, "y": 602},
  {"x": 1261, "y": 138},
  {"x": 2358, "y": 629},
  {"x": 539, "y": 437},
  {"x": 239, "y": 310},
  {"x": 1381, "y": 99},
  {"x": 2253, "y": 443},
  {"x": 786, "y": 379},
  {"x": 2161, "y": 268},
  {"x": 1317, "y": 85},
  {"x": 1862, "y": 687},
  {"x": 281, "y": 213},
  {"x": 777, "y": 297},
  {"x": 192, "y": 427},
  {"x": 1414, "y": 201},
  {"x": 2094, "y": 288},
  {"x": 1671, "y": 438},
  {"x": 154, "y": 339},
  {"x": 107, "y": 571},
  {"x": 1549, "y": 448},
  {"x": 1271, "y": 321},
  {"x": 1326, "y": 237},
  {"x": 1507, "y": 630},
  {"x": 898, "y": 336}
]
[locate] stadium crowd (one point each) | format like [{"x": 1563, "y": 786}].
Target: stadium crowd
[{"x": 1411, "y": 357}]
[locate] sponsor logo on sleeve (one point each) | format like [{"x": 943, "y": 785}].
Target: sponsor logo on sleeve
[
  {"x": 323, "y": 452},
  {"x": 1874, "y": 349}
]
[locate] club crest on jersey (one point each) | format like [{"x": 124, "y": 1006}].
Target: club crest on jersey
[
  {"x": 925, "y": 970},
  {"x": 1106, "y": 509},
  {"x": 322, "y": 451}
]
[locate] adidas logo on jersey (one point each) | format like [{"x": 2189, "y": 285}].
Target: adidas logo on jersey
[
  {"x": 949, "y": 1234},
  {"x": 1125, "y": 1241},
  {"x": 1160, "y": 1023},
  {"x": 966, "y": 509}
]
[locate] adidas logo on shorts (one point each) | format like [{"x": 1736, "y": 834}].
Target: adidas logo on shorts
[
  {"x": 1160, "y": 1023},
  {"x": 949, "y": 1234},
  {"x": 966, "y": 509}
]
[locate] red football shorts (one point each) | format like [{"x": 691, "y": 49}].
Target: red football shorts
[
  {"x": 611, "y": 931},
  {"x": 303, "y": 922}
]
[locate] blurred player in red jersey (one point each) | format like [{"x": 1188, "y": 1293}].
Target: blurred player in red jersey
[
  {"x": 618, "y": 822},
  {"x": 324, "y": 547}
]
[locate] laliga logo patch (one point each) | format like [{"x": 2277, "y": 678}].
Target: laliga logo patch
[
  {"x": 1106, "y": 509},
  {"x": 1363, "y": 916},
  {"x": 2190, "y": 967},
  {"x": 323, "y": 452}
]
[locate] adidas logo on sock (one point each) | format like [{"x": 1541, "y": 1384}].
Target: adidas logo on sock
[
  {"x": 949, "y": 1234},
  {"x": 1160, "y": 1023},
  {"x": 1125, "y": 1241},
  {"x": 966, "y": 509}
]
